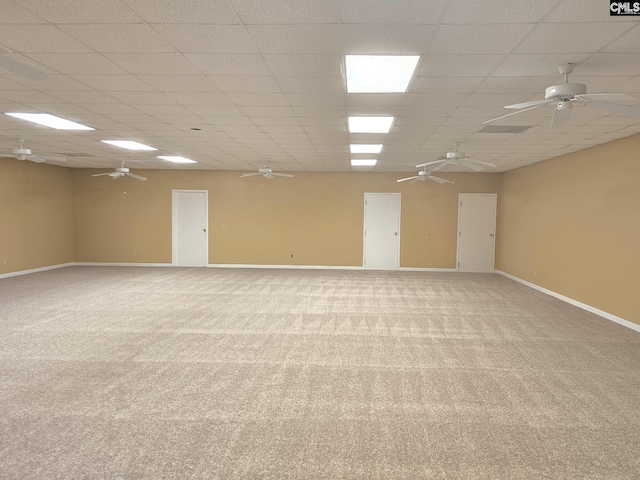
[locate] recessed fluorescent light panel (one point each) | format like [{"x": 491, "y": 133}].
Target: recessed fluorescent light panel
[
  {"x": 176, "y": 159},
  {"x": 50, "y": 121},
  {"x": 370, "y": 124},
  {"x": 363, "y": 162},
  {"x": 379, "y": 73},
  {"x": 128, "y": 144},
  {"x": 365, "y": 148}
]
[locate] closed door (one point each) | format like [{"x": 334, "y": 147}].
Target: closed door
[
  {"x": 190, "y": 226},
  {"x": 382, "y": 231},
  {"x": 476, "y": 232}
]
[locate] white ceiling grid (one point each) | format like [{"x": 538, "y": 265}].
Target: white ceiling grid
[{"x": 263, "y": 80}]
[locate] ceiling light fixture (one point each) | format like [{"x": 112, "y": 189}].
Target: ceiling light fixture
[
  {"x": 50, "y": 121},
  {"x": 370, "y": 124},
  {"x": 379, "y": 73},
  {"x": 365, "y": 148},
  {"x": 176, "y": 159},
  {"x": 128, "y": 144},
  {"x": 363, "y": 162}
]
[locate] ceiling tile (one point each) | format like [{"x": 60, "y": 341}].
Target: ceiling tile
[
  {"x": 200, "y": 98},
  {"x": 258, "y": 99},
  {"x": 283, "y": 11},
  {"x": 522, "y": 85},
  {"x": 239, "y": 83},
  {"x": 83, "y": 11},
  {"x": 553, "y": 38},
  {"x": 39, "y": 39},
  {"x": 213, "y": 12},
  {"x": 78, "y": 63},
  {"x": 459, "y": 65},
  {"x": 387, "y": 39},
  {"x": 229, "y": 64},
  {"x": 316, "y": 99},
  {"x": 260, "y": 111},
  {"x": 610, "y": 64},
  {"x": 296, "y": 39},
  {"x": 536, "y": 65},
  {"x": 496, "y": 11},
  {"x": 383, "y": 11},
  {"x": 305, "y": 65},
  {"x": 445, "y": 84},
  {"x": 179, "y": 83},
  {"x": 312, "y": 84},
  {"x": 477, "y": 39},
  {"x": 208, "y": 38},
  {"x": 82, "y": 97},
  {"x": 122, "y": 38},
  {"x": 112, "y": 83},
  {"x": 152, "y": 63}
]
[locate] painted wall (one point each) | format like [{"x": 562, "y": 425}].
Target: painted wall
[
  {"x": 572, "y": 225},
  {"x": 36, "y": 215},
  {"x": 316, "y": 217}
]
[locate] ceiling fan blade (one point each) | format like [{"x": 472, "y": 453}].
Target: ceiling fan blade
[
  {"x": 516, "y": 113},
  {"x": 560, "y": 119},
  {"x": 282, "y": 175},
  {"x": 472, "y": 165},
  {"x": 442, "y": 165},
  {"x": 533, "y": 103},
  {"x": 53, "y": 158},
  {"x": 268, "y": 175},
  {"x": 417, "y": 179},
  {"x": 115, "y": 175},
  {"x": 486, "y": 164},
  {"x": 100, "y": 174},
  {"x": 249, "y": 175},
  {"x": 408, "y": 178},
  {"x": 430, "y": 163},
  {"x": 137, "y": 177},
  {"x": 19, "y": 68},
  {"x": 616, "y": 107},
  {"x": 438, "y": 179},
  {"x": 616, "y": 97},
  {"x": 35, "y": 158}
]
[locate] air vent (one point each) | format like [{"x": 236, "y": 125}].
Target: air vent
[{"x": 505, "y": 129}]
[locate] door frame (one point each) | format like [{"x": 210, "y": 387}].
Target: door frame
[
  {"x": 174, "y": 224},
  {"x": 364, "y": 225},
  {"x": 493, "y": 234}
]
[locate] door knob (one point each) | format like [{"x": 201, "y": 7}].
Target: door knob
[
  {"x": 491, "y": 234},
  {"x": 396, "y": 234},
  {"x": 204, "y": 229}
]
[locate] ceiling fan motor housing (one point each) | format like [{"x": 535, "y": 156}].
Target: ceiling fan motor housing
[
  {"x": 566, "y": 91},
  {"x": 455, "y": 155},
  {"x": 21, "y": 151},
  {"x": 265, "y": 171},
  {"x": 122, "y": 170}
]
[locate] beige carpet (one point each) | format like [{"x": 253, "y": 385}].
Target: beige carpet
[{"x": 142, "y": 373}]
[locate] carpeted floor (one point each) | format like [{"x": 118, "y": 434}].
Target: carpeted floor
[{"x": 157, "y": 373}]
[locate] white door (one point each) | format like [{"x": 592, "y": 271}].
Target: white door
[
  {"x": 476, "y": 232},
  {"x": 190, "y": 227},
  {"x": 382, "y": 231}
]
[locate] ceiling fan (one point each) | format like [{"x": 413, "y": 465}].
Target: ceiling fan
[
  {"x": 121, "y": 172},
  {"x": 566, "y": 94},
  {"x": 17, "y": 67},
  {"x": 22, "y": 153},
  {"x": 422, "y": 176},
  {"x": 456, "y": 158},
  {"x": 266, "y": 172}
]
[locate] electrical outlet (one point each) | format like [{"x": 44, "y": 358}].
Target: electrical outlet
[{"x": 292, "y": 255}]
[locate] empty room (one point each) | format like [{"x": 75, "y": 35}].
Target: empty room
[{"x": 318, "y": 239}]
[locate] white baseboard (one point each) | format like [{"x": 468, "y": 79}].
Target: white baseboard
[
  {"x": 418, "y": 269},
  {"x": 297, "y": 267},
  {"x": 35, "y": 270},
  {"x": 108, "y": 264},
  {"x": 584, "y": 306}
]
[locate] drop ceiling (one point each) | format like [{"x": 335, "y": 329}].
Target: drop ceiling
[{"x": 263, "y": 80}]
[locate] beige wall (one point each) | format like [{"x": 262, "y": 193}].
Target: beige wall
[
  {"x": 317, "y": 217},
  {"x": 36, "y": 215},
  {"x": 572, "y": 225}
]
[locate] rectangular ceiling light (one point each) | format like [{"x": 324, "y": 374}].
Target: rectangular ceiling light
[
  {"x": 370, "y": 124},
  {"x": 128, "y": 144},
  {"x": 50, "y": 121},
  {"x": 380, "y": 73},
  {"x": 363, "y": 162},
  {"x": 365, "y": 148},
  {"x": 176, "y": 159}
]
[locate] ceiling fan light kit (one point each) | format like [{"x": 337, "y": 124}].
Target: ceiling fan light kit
[{"x": 266, "y": 172}]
